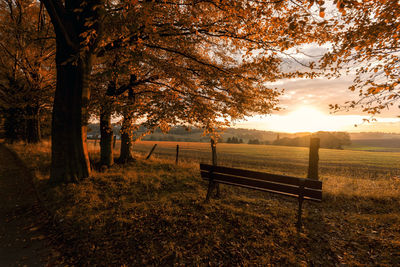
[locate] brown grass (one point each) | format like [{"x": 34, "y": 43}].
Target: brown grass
[
  {"x": 153, "y": 213},
  {"x": 278, "y": 159}
]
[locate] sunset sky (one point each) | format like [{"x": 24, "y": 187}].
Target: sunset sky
[
  {"x": 306, "y": 102},
  {"x": 306, "y": 108}
]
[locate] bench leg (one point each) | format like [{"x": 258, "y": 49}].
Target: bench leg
[
  {"x": 299, "y": 213},
  {"x": 218, "y": 195},
  {"x": 211, "y": 186}
]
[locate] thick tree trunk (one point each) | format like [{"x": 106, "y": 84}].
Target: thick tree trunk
[
  {"x": 32, "y": 133},
  {"x": 70, "y": 159},
  {"x": 126, "y": 140},
  {"x": 106, "y": 139},
  {"x": 13, "y": 125}
]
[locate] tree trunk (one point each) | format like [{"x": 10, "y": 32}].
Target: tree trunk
[
  {"x": 13, "y": 125},
  {"x": 70, "y": 159},
  {"x": 106, "y": 139},
  {"x": 126, "y": 140},
  {"x": 32, "y": 134}
]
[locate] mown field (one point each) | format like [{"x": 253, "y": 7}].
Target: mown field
[
  {"x": 279, "y": 159},
  {"x": 152, "y": 212},
  {"x": 375, "y": 145}
]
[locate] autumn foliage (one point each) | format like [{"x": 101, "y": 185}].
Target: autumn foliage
[
  {"x": 365, "y": 42},
  {"x": 197, "y": 63}
]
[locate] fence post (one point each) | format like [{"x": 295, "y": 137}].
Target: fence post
[
  {"x": 214, "y": 162},
  {"x": 151, "y": 151},
  {"x": 313, "y": 159},
  {"x": 177, "y": 154},
  {"x": 114, "y": 141},
  {"x": 214, "y": 152}
]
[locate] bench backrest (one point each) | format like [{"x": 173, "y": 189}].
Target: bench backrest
[{"x": 280, "y": 184}]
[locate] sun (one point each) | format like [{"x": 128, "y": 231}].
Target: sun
[{"x": 306, "y": 119}]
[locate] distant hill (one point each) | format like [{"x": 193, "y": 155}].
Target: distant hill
[
  {"x": 332, "y": 140},
  {"x": 373, "y": 135},
  {"x": 389, "y": 143},
  {"x": 181, "y": 134}
]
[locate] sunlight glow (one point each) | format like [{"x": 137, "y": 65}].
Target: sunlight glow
[
  {"x": 310, "y": 119},
  {"x": 305, "y": 119}
]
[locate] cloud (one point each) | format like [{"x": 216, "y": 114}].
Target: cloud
[
  {"x": 319, "y": 93},
  {"x": 310, "y": 120}
]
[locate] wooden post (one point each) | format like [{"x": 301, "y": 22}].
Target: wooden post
[
  {"x": 95, "y": 141},
  {"x": 301, "y": 199},
  {"x": 114, "y": 141},
  {"x": 151, "y": 151},
  {"x": 313, "y": 159},
  {"x": 177, "y": 154},
  {"x": 214, "y": 162},
  {"x": 211, "y": 185},
  {"x": 214, "y": 152}
]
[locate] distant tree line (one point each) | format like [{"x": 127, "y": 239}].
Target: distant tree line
[
  {"x": 234, "y": 140},
  {"x": 332, "y": 140}
]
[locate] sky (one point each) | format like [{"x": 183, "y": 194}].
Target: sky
[{"x": 305, "y": 104}]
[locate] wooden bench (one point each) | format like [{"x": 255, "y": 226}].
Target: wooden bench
[{"x": 302, "y": 189}]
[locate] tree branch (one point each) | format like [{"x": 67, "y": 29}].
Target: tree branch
[
  {"x": 187, "y": 56},
  {"x": 56, "y": 11}
]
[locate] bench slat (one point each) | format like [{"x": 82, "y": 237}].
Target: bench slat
[
  {"x": 284, "y": 189},
  {"x": 314, "y": 184}
]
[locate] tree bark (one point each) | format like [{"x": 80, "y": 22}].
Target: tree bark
[
  {"x": 126, "y": 140},
  {"x": 106, "y": 139},
  {"x": 32, "y": 133},
  {"x": 70, "y": 158},
  {"x": 75, "y": 51},
  {"x": 14, "y": 125}
]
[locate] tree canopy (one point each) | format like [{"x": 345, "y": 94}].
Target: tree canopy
[
  {"x": 206, "y": 63},
  {"x": 190, "y": 62},
  {"x": 365, "y": 42},
  {"x": 26, "y": 66}
]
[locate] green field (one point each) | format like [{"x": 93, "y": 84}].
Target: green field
[{"x": 279, "y": 159}]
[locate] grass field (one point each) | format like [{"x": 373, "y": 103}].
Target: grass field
[
  {"x": 375, "y": 145},
  {"x": 373, "y": 148},
  {"x": 152, "y": 212},
  {"x": 279, "y": 159}
]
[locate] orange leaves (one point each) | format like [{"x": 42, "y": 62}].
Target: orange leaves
[
  {"x": 340, "y": 7},
  {"x": 211, "y": 59},
  {"x": 374, "y": 90},
  {"x": 365, "y": 41}
]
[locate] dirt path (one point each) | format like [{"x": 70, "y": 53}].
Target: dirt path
[{"x": 22, "y": 242}]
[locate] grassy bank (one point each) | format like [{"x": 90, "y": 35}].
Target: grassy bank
[{"x": 153, "y": 213}]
